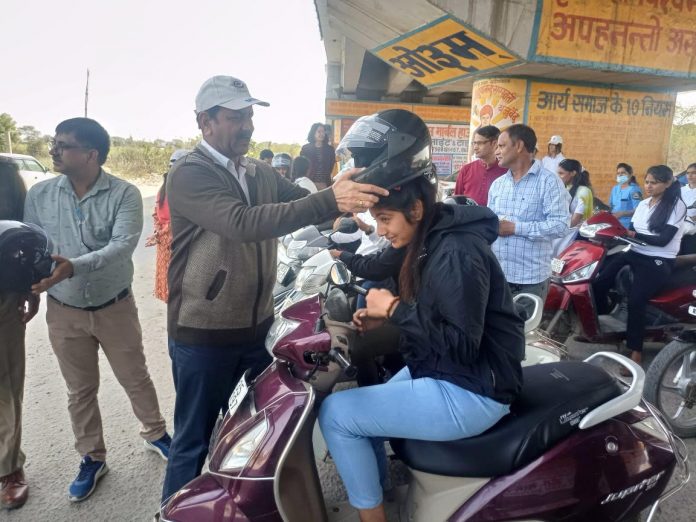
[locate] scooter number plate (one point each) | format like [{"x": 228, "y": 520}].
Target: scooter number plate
[
  {"x": 238, "y": 395},
  {"x": 283, "y": 270},
  {"x": 692, "y": 310},
  {"x": 557, "y": 265}
]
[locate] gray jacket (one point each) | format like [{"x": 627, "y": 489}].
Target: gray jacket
[{"x": 223, "y": 264}]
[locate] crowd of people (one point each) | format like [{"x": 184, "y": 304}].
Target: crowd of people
[
  {"x": 316, "y": 161},
  {"x": 541, "y": 203},
  {"x": 217, "y": 217}
]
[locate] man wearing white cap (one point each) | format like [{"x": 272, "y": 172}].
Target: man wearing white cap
[
  {"x": 554, "y": 156},
  {"x": 227, "y": 211}
]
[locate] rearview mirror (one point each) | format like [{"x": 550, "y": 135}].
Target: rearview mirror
[{"x": 339, "y": 274}]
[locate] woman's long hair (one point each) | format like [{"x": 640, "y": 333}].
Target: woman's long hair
[
  {"x": 581, "y": 178},
  {"x": 670, "y": 197},
  {"x": 403, "y": 199},
  {"x": 12, "y": 191},
  {"x": 313, "y": 130}
]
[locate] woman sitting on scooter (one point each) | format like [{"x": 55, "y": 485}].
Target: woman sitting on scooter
[
  {"x": 577, "y": 181},
  {"x": 658, "y": 222},
  {"x": 460, "y": 336}
]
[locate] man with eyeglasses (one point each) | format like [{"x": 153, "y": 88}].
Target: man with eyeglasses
[
  {"x": 94, "y": 220},
  {"x": 475, "y": 178}
]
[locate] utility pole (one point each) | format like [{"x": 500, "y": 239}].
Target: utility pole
[
  {"x": 9, "y": 141},
  {"x": 87, "y": 93}
]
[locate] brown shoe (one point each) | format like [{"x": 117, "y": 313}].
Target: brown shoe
[{"x": 13, "y": 490}]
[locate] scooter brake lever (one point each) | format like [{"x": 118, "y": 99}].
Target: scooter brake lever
[
  {"x": 337, "y": 355},
  {"x": 319, "y": 326},
  {"x": 359, "y": 289}
]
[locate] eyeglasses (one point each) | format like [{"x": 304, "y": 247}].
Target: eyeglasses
[
  {"x": 482, "y": 142},
  {"x": 60, "y": 146}
]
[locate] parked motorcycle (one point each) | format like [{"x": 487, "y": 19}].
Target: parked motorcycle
[
  {"x": 570, "y": 306},
  {"x": 670, "y": 382},
  {"x": 578, "y": 445}
]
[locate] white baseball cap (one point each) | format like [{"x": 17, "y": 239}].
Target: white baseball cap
[
  {"x": 227, "y": 92},
  {"x": 556, "y": 140}
]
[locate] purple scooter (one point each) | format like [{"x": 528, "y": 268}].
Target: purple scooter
[{"x": 578, "y": 445}]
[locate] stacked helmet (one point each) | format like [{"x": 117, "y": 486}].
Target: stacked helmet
[
  {"x": 347, "y": 236},
  {"x": 281, "y": 160},
  {"x": 392, "y": 145},
  {"x": 25, "y": 256}
]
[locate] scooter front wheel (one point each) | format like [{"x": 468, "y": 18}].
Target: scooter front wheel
[{"x": 670, "y": 384}]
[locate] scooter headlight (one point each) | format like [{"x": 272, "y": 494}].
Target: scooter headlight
[
  {"x": 294, "y": 248},
  {"x": 309, "y": 282},
  {"x": 279, "y": 329},
  {"x": 239, "y": 454},
  {"x": 591, "y": 230},
  {"x": 581, "y": 274}
]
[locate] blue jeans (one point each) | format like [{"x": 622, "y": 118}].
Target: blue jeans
[
  {"x": 356, "y": 422},
  {"x": 204, "y": 377}
]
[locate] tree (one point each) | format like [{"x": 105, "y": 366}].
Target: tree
[
  {"x": 682, "y": 143},
  {"x": 35, "y": 143},
  {"x": 7, "y": 125}
]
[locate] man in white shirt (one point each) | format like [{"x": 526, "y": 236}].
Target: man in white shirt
[{"x": 554, "y": 156}]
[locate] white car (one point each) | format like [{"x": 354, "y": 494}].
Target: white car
[{"x": 29, "y": 168}]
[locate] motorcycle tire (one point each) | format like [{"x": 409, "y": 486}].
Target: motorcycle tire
[{"x": 653, "y": 384}]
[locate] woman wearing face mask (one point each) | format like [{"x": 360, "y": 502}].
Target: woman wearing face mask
[
  {"x": 626, "y": 195},
  {"x": 460, "y": 336},
  {"x": 658, "y": 222}
]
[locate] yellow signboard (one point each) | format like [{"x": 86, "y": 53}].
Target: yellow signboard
[
  {"x": 602, "y": 127},
  {"x": 642, "y": 35},
  {"x": 429, "y": 113},
  {"x": 443, "y": 51}
]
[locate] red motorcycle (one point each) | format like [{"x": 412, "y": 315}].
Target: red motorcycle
[{"x": 570, "y": 306}]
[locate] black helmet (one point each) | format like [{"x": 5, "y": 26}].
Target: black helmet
[
  {"x": 25, "y": 256},
  {"x": 393, "y": 145},
  {"x": 347, "y": 236}
]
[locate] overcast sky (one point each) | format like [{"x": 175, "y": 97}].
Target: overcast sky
[{"x": 147, "y": 59}]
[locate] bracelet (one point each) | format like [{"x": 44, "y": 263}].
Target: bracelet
[{"x": 392, "y": 306}]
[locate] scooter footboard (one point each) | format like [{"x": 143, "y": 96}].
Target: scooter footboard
[{"x": 603, "y": 473}]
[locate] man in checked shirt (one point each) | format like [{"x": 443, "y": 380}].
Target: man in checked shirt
[{"x": 533, "y": 207}]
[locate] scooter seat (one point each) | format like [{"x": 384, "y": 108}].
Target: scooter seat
[{"x": 553, "y": 400}]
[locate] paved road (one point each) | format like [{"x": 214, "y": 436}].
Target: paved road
[{"x": 131, "y": 490}]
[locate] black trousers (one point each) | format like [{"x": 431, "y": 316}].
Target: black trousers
[
  {"x": 381, "y": 341},
  {"x": 204, "y": 378},
  {"x": 649, "y": 275}
]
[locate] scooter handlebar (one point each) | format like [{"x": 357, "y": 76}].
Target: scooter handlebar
[{"x": 630, "y": 240}]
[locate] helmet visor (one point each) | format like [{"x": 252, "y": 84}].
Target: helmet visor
[{"x": 368, "y": 132}]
